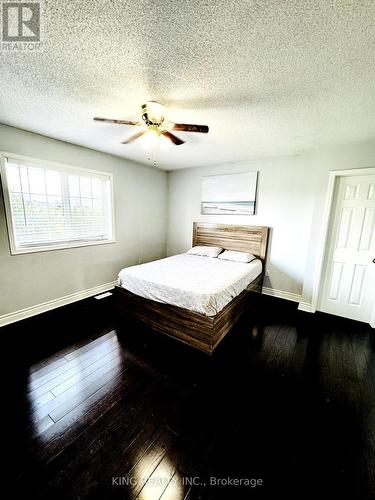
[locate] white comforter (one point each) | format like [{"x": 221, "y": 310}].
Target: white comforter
[{"x": 201, "y": 284}]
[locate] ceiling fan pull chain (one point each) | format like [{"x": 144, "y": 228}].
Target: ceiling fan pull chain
[{"x": 156, "y": 148}]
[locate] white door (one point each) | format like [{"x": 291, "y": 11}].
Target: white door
[{"x": 349, "y": 272}]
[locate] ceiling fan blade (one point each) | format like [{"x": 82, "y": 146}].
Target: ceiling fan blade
[
  {"x": 118, "y": 122},
  {"x": 176, "y": 140},
  {"x": 133, "y": 137},
  {"x": 185, "y": 127}
]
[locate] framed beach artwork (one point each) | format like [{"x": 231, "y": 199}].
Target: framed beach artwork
[{"x": 229, "y": 194}]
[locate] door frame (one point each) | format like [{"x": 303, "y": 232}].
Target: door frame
[{"x": 334, "y": 175}]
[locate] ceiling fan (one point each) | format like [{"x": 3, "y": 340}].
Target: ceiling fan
[{"x": 154, "y": 119}]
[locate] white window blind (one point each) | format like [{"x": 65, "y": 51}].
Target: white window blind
[{"x": 53, "y": 207}]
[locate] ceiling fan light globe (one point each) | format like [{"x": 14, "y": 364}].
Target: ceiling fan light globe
[
  {"x": 150, "y": 139},
  {"x": 155, "y": 112}
]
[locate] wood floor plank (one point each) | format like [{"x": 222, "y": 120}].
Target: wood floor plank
[
  {"x": 76, "y": 394},
  {"x": 361, "y": 353},
  {"x": 105, "y": 375},
  {"x": 119, "y": 446},
  {"x": 45, "y": 423},
  {"x": 293, "y": 404},
  {"x": 47, "y": 381},
  {"x": 41, "y": 400},
  {"x": 146, "y": 465},
  {"x": 52, "y": 362},
  {"x": 107, "y": 448},
  {"x": 76, "y": 374},
  {"x": 74, "y": 423},
  {"x": 92, "y": 345},
  {"x": 118, "y": 463},
  {"x": 157, "y": 482},
  {"x": 50, "y": 365},
  {"x": 175, "y": 489},
  {"x": 106, "y": 360}
]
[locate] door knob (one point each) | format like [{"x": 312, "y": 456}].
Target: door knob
[{"x": 373, "y": 260}]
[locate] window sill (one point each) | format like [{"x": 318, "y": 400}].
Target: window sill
[{"x": 67, "y": 246}]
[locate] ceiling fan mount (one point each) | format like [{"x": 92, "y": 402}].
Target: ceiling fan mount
[{"x": 153, "y": 117}]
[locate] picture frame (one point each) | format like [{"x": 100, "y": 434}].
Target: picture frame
[{"x": 229, "y": 194}]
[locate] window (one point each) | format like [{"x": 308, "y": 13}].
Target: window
[{"x": 52, "y": 206}]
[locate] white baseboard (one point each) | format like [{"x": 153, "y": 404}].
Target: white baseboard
[
  {"x": 305, "y": 306},
  {"x": 281, "y": 294},
  {"x": 295, "y": 297},
  {"x": 372, "y": 319},
  {"x": 6, "y": 319}
]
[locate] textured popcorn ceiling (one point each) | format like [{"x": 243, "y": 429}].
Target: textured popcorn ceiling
[{"x": 268, "y": 77}]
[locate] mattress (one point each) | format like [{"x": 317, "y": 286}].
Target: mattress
[{"x": 201, "y": 284}]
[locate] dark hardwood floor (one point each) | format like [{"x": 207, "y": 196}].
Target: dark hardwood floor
[{"x": 286, "y": 406}]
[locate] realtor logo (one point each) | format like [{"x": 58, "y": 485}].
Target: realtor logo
[{"x": 20, "y": 26}]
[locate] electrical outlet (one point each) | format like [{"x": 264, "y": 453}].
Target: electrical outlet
[{"x": 267, "y": 273}]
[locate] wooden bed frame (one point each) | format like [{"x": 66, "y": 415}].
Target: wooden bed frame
[{"x": 197, "y": 330}]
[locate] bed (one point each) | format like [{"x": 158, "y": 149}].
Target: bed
[{"x": 195, "y": 299}]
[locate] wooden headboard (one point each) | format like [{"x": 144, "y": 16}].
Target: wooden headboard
[{"x": 251, "y": 239}]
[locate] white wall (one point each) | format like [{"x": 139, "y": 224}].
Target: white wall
[
  {"x": 291, "y": 197},
  {"x": 344, "y": 157},
  {"x": 154, "y": 208},
  {"x": 140, "y": 194}
]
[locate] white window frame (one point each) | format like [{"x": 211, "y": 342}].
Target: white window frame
[{"x": 8, "y": 212}]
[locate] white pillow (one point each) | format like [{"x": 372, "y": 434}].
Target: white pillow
[
  {"x": 237, "y": 256},
  {"x": 205, "y": 251}
]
